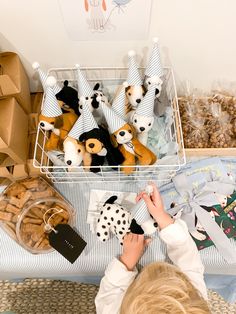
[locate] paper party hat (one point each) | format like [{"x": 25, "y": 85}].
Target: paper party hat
[
  {"x": 154, "y": 67},
  {"x": 145, "y": 108},
  {"x": 84, "y": 88},
  {"x": 118, "y": 104},
  {"x": 134, "y": 77},
  {"x": 43, "y": 77},
  {"x": 78, "y": 128},
  {"x": 114, "y": 121},
  {"x": 89, "y": 123},
  {"x": 51, "y": 107}
]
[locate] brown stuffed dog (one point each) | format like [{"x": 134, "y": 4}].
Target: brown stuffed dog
[
  {"x": 132, "y": 149},
  {"x": 59, "y": 127},
  {"x": 75, "y": 153}
]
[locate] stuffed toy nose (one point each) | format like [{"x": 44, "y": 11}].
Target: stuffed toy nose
[
  {"x": 122, "y": 133},
  {"x": 142, "y": 129},
  {"x": 42, "y": 124},
  {"x": 138, "y": 101},
  {"x": 69, "y": 162},
  {"x": 91, "y": 145}
]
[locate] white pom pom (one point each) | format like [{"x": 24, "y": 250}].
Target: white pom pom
[
  {"x": 51, "y": 81},
  {"x": 131, "y": 53},
  {"x": 125, "y": 84},
  {"x": 155, "y": 40},
  {"x": 35, "y": 65},
  {"x": 149, "y": 189},
  {"x": 98, "y": 98},
  {"x": 77, "y": 66}
]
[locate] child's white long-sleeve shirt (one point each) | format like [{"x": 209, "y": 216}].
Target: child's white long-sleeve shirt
[{"x": 181, "y": 249}]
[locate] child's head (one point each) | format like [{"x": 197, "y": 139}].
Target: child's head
[{"x": 162, "y": 288}]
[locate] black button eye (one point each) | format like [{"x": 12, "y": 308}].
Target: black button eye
[
  {"x": 52, "y": 122},
  {"x": 79, "y": 150},
  {"x": 86, "y": 98},
  {"x": 129, "y": 94},
  {"x": 129, "y": 131},
  {"x": 143, "y": 94},
  {"x": 149, "y": 83},
  {"x": 135, "y": 121},
  {"x": 149, "y": 124},
  {"x": 81, "y": 107}
]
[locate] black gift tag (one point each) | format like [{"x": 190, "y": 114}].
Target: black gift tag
[{"x": 67, "y": 242}]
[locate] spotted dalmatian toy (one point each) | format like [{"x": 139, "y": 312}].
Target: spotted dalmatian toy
[{"x": 115, "y": 219}]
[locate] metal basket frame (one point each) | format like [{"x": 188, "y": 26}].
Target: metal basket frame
[{"x": 114, "y": 76}]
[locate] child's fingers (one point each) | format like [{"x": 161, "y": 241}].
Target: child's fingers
[
  {"x": 138, "y": 197},
  {"x": 147, "y": 241},
  {"x": 148, "y": 202}
]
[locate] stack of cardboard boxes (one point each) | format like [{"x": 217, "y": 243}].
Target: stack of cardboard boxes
[{"x": 15, "y": 113}]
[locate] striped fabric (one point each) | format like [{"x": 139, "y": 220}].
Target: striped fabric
[
  {"x": 89, "y": 123},
  {"x": 140, "y": 212},
  {"x": 145, "y": 108},
  {"x": 97, "y": 255},
  {"x": 15, "y": 262},
  {"x": 84, "y": 88},
  {"x": 113, "y": 120},
  {"x": 77, "y": 129},
  {"x": 154, "y": 67},
  {"x": 51, "y": 107},
  {"x": 118, "y": 104},
  {"x": 43, "y": 77},
  {"x": 134, "y": 77}
]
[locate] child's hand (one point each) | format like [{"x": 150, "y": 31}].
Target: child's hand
[
  {"x": 156, "y": 207},
  {"x": 133, "y": 247}
]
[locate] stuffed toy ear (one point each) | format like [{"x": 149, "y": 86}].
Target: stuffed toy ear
[
  {"x": 58, "y": 122},
  {"x": 135, "y": 228},
  {"x": 114, "y": 141},
  {"x": 96, "y": 87},
  {"x": 82, "y": 137},
  {"x": 111, "y": 200}
]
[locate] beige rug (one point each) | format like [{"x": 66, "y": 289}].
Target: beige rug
[{"x": 40, "y": 296}]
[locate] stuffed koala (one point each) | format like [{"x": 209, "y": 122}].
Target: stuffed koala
[{"x": 117, "y": 220}]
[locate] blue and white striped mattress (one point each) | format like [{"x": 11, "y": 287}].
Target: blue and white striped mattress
[{"x": 15, "y": 262}]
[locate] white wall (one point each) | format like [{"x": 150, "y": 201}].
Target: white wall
[{"x": 198, "y": 38}]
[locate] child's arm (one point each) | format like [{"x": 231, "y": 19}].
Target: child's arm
[
  {"x": 181, "y": 248},
  {"x": 119, "y": 275}
]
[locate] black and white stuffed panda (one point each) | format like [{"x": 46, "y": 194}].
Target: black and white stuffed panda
[{"x": 115, "y": 219}]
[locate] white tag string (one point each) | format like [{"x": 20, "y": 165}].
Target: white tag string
[{"x": 47, "y": 226}]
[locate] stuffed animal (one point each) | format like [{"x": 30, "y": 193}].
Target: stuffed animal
[
  {"x": 53, "y": 120},
  {"x": 68, "y": 98},
  {"x": 143, "y": 118},
  {"x": 135, "y": 91},
  {"x": 154, "y": 70},
  {"x": 124, "y": 137},
  {"x": 85, "y": 90},
  {"x": 116, "y": 219},
  {"x": 97, "y": 143}
]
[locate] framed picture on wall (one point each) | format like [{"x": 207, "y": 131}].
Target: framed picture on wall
[{"x": 106, "y": 19}]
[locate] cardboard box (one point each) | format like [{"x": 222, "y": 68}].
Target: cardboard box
[
  {"x": 13, "y": 130},
  {"x": 13, "y": 80},
  {"x": 10, "y": 171}
]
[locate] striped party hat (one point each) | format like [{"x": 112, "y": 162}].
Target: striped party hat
[
  {"x": 140, "y": 212},
  {"x": 154, "y": 67},
  {"x": 145, "y": 108},
  {"x": 134, "y": 77},
  {"x": 77, "y": 129},
  {"x": 118, "y": 104},
  {"x": 114, "y": 121},
  {"x": 43, "y": 77},
  {"x": 89, "y": 123},
  {"x": 51, "y": 107},
  {"x": 84, "y": 88}
]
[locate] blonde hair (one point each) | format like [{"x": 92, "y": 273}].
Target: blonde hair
[{"x": 162, "y": 288}]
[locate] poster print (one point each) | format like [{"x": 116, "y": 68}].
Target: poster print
[{"x": 106, "y": 19}]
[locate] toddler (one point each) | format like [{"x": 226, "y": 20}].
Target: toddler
[{"x": 160, "y": 288}]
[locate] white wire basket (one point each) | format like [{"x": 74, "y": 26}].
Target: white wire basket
[{"x": 110, "y": 78}]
